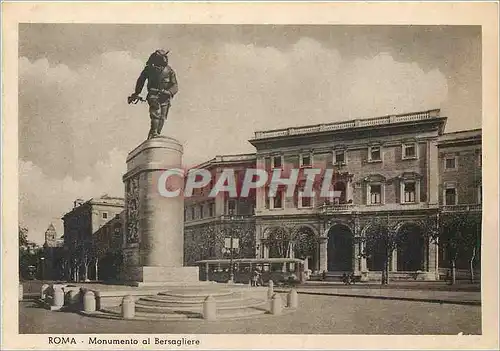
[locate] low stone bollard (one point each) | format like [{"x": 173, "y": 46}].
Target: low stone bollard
[
  {"x": 21, "y": 292},
  {"x": 270, "y": 290},
  {"x": 209, "y": 309},
  {"x": 89, "y": 304},
  {"x": 276, "y": 307},
  {"x": 292, "y": 299},
  {"x": 43, "y": 291},
  {"x": 58, "y": 300},
  {"x": 128, "y": 307}
]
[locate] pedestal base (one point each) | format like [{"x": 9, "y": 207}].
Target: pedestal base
[{"x": 149, "y": 275}]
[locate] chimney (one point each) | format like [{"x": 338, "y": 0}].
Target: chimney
[{"x": 77, "y": 203}]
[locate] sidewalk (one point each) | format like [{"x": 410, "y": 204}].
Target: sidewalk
[
  {"x": 402, "y": 284},
  {"x": 392, "y": 293}
]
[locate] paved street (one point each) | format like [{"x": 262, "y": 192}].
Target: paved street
[
  {"x": 437, "y": 292},
  {"x": 316, "y": 315},
  {"x": 461, "y": 285}
]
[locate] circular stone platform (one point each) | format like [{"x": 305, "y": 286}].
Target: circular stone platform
[{"x": 186, "y": 303}]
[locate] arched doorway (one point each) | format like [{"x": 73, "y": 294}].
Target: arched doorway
[
  {"x": 306, "y": 247},
  {"x": 376, "y": 254},
  {"x": 376, "y": 246},
  {"x": 411, "y": 248},
  {"x": 340, "y": 249},
  {"x": 278, "y": 242}
]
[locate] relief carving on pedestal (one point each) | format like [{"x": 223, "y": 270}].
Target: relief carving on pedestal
[{"x": 132, "y": 210}]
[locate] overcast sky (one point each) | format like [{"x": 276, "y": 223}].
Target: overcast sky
[{"x": 76, "y": 127}]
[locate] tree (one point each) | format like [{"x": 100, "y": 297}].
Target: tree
[
  {"x": 84, "y": 256},
  {"x": 29, "y": 255},
  {"x": 284, "y": 240},
  {"x": 305, "y": 242},
  {"x": 23, "y": 237},
  {"x": 459, "y": 235},
  {"x": 280, "y": 242},
  {"x": 379, "y": 236},
  {"x": 98, "y": 250}
]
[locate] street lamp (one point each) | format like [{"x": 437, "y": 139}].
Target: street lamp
[
  {"x": 42, "y": 267},
  {"x": 230, "y": 244}
]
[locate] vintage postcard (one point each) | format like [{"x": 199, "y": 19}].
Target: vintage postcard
[{"x": 250, "y": 175}]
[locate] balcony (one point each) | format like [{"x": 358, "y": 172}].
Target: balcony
[
  {"x": 227, "y": 217},
  {"x": 335, "y": 208},
  {"x": 462, "y": 208}
]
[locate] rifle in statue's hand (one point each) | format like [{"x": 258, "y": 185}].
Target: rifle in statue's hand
[{"x": 134, "y": 99}]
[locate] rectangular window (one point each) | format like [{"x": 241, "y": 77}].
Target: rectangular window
[
  {"x": 278, "y": 199},
  {"x": 409, "y": 192},
  {"x": 450, "y": 196},
  {"x": 305, "y": 161},
  {"x": 305, "y": 201},
  {"x": 339, "y": 157},
  {"x": 450, "y": 163},
  {"x": 480, "y": 160},
  {"x": 480, "y": 195},
  {"x": 201, "y": 211},
  {"x": 375, "y": 154},
  {"x": 104, "y": 215},
  {"x": 409, "y": 151},
  {"x": 277, "y": 162},
  {"x": 268, "y": 163},
  {"x": 376, "y": 194},
  {"x": 193, "y": 213},
  {"x": 231, "y": 207},
  {"x": 211, "y": 209}
]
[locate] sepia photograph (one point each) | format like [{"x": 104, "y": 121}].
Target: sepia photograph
[{"x": 176, "y": 180}]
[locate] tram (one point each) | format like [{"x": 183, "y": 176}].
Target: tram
[{"x": 279, "y": 270}]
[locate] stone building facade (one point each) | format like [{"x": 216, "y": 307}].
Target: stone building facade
[
  {"x": 394, "y": 170},
  {"x": 210, "y": 223},
  {"x": 93, "y": 230},
  {"x": 397, "y": 174},
  {"x": 460, "y": 172}
]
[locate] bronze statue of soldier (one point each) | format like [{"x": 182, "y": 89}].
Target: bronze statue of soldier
[{"x": 162, "y": 87}]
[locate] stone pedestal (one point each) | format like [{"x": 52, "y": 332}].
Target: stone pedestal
[{"x": 154, "y": 224}]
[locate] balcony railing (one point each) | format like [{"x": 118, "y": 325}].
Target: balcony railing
[
  {"x": 369, "y": 122},
  {"x": 462, "y": 208},
  {"x": 335, "y": 208},
  {"x": 236, "y": 217}
]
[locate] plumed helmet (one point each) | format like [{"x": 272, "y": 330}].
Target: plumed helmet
[{"x": 158, "y": 58}]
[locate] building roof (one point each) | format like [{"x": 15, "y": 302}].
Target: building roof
[
  {"x": 107, "y": 200},
  {"x": 102, "y": 200},
  {"x": 473, "y": 136},
  {"x": 228, "y": 159},
  {"x": 389, "y": 120}
]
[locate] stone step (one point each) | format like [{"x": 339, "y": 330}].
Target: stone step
[
  {"x": 190, "y": 301},
  {"x": 198, "y": 299},
  {"x": 223, "y": 303},
  {"x": 148, "y": 306},
  {"x": 197, "y": 293},
  {"x": 115, "y": 313}
]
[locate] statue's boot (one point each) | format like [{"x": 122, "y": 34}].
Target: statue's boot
[{"x": 154, "y": 128}]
